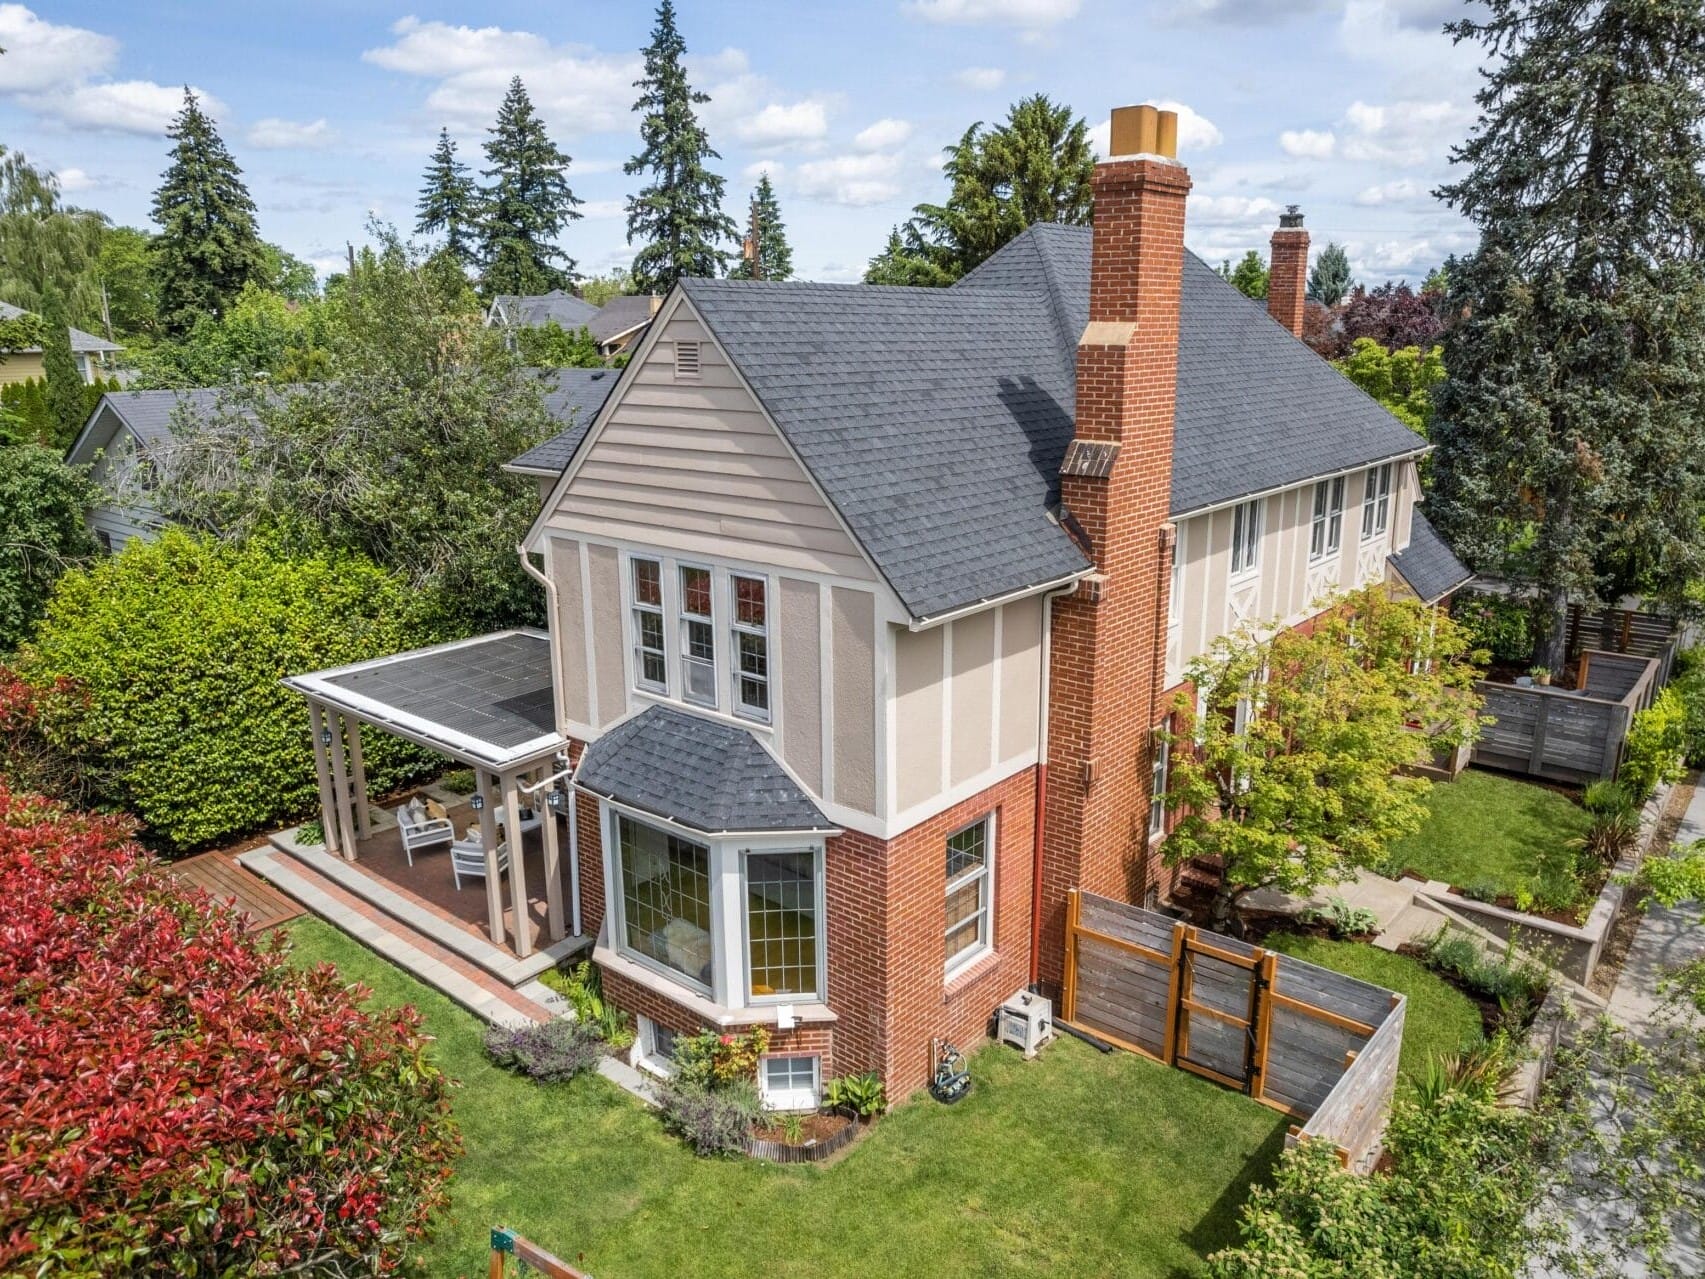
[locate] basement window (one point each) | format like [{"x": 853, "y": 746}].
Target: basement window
[
  {"x": 789, "y": 1083},
  {"x": 686, "y": 360}
]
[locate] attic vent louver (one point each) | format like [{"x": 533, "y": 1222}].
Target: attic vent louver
[{"x": 686, "y": 359}]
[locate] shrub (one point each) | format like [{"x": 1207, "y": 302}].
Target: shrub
[
  {"x": 1499, "y": 625},
  {"x": 713, "y": 1120},
  {"x": 1607, "y": 796},
  {"x": 1652, "y": 754},
  {"x": 1610, "y": 835},
  {"x": 711, "y": 1060},
  {"x": 176, "y": 648},
  {"x": 1343, "y": 919},
  {"x": 865, "y": 1095},
  {"x": 1482, "y": 890},
  {"x": 584, "y": 990},
  {"x": 179, "y": 1098},
  {"x": 547, "y": 1051},
  {"x": 1504, "y": 978},
  {"x": 1689, "y": 686},
  {"x": 43, "y": 503}
]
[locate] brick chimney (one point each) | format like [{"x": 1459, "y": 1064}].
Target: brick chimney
[
  {"x": 1108, "y": 639},
  {"x": 1287, "y": 282}
]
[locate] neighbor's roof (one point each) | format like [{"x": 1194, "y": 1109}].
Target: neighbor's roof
[
  {"x": 80, "y": 341},
  {"x": 697, "y": 773},
  {"x": 485, "y": 700},
  {"x": 150, "y": 415},
  {"x": 621, "y": 315},
  {"x": 1427, "y": 564},
  {"x": 575, "y": 398},
  {"x": 532, "y": 311}
]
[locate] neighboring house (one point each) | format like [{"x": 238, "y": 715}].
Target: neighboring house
[
  {"x": 91, "y": 353},
  {"x": 867, "y": 603},
  {"x": 615, "y": 326}
]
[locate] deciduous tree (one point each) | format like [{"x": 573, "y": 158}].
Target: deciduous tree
[
  {"x": 905, "y": 264},
  {"x": 1567, "y": 429},
  {"x": 43, "y": 504},
  {"x": 1286, "y": 769},
  {"x": 1249, "y": 277},
  {"x": 47, "y": 244},
  {"x": 1394, "y": 315},
  {"x": 1401, "y": 380},
  {"x": 677, "y": 216},
  {"x": 525, "y": 204}
]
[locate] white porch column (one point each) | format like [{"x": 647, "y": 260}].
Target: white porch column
[
  {"x": 340, "y": 785},
  {"x": 517, "y": 863},
  {"x": 488, "y": 839},
  {"x": 317, "y": 721},
  {"x": 363, "y": 826},
  {"x": 552, "y": 845}
]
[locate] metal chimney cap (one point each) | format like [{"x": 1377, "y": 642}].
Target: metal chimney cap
[{"x": 1291, "y": 217}]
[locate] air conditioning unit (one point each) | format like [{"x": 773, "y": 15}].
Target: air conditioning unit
[{"x": 1026, "y": 1022}]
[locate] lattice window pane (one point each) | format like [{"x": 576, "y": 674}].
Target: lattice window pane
[
  {"x": 666, "y": 898},
  {"x": 781, "y": 922}
]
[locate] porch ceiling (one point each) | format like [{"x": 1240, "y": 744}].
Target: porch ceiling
[{"x": 486, "y": 702}]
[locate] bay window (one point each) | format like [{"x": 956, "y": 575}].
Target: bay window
[
  {"x": 698, "y": 637},
  {"x": 970, "y": 899},
  {"x": 781, "y": 925},
  {"x": 750, "y": 643},
  {"x": 666, "y": 899}
]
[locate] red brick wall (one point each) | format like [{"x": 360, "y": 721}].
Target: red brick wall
[
  {"x": 1108, "y": 656},
  {"x": 1287, "y": 281}
]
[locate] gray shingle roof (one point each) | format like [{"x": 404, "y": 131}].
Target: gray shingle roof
[
  {"x": 151, "y": 415},
  {"x": 712, "y": 777},
  {"x": 934, "y": 419},
  {"x": 620, "y": 314},
  {"x": 1428, "y": 564},
  {"x": 532, "y": 311},
  {"x": 1257, "y": 409},
  {"x": 80, "y": 341},
  {"x": 575, "y": 398}
]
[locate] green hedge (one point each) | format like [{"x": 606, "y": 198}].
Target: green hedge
[
  {"x": 1656, "y": 746},
  {"x": 176, "y": 649}
]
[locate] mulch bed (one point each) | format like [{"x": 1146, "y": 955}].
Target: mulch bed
[{"x": 824, "y": 1135}]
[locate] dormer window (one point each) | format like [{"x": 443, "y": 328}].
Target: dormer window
[{"x": 686, "y": 361}]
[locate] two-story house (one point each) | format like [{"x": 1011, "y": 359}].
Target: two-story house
[{"x": 865, "y": 603}]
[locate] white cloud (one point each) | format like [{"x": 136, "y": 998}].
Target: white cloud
[
  {"x": 45, "y": 55},
  {"x": 125, "y": 106},
  {"x": 981, "y": 79},
  {"x": 273, "y": 134},
  {"x": 850, "y": 179},
  {"x": 1013, "y": 13},
  {"x": 758, "y": 168},
  {"x": 1239, "y": 13},
  {"x": 1308, "y": 144},
  {"x": 1395, "y": 257},
  {"x": 884, "y": 135},
  {"x": 1195, "y": 131},
  {"x": 1398, "y": 192},
  {"x": 1404, "y": 133},
  {"x": 596, "y": 210},
  {"x": 1230, "y": 211},
  {"x": 779, "y": 125},
  {"x": 76, "y": 180}
]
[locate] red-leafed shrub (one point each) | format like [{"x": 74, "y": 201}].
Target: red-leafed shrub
[{"x": 177, "y": 1099}]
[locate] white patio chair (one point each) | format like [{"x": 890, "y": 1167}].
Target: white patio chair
[
  {"x": 420, "y": 832},
  {"x": 467, "y": 860}
]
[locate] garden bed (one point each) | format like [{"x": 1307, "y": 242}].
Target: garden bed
[{"x": 825, "y": 1133}]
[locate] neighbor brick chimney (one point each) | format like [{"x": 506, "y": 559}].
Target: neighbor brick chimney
[
  {"x": 1287, "y": 281},
  {"x": 1108, "y": 639}
]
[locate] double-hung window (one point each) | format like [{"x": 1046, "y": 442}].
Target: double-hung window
[
  {"x": 1376, "y": 502},
  {"x": 1246, "y": 538},
  {"x": 1326, "y": 532},
  {"x": 1157, "y": 787},
  {"x": 970, "y": 909},
  {"x": 750, "y": 642},
  {"x": 650, "y": 666},
  {"x": 698, "y": 637}
]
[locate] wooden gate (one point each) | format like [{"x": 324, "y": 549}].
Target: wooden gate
[{"x": 1221, "y": 996}]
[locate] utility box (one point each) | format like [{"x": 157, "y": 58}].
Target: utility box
[{"x": 1026, "y": 1022}]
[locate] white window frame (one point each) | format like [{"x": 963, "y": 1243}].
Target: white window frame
[
  {"x": 660, "y": 609},
  {"x": 737, "y": 628},
  {"x": 617, "y": 903},
  {"x": 1160, "y": 778},
  {"x": 793, "y": 1099},
  {"x": 1376, "y": 502},
  {"x": 684, "y": 621},
  {"x": 1326, "y": 528},
  {"x": 650, "y": 1055},
  {"x": 1246, "y": 533},
  {"x": 820, "y": 905},
  {"x": 986, "y": 912}
]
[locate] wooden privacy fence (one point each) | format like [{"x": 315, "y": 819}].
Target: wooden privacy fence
[
  {"x": 1317, "y": 1045},
  {"x": 1569, "y": 734}
]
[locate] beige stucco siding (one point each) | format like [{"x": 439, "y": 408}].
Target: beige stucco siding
[
  {"x": 853, "y": 656},
  {"x": 694, "y": 465},
  {"x": 604, "y": 586},
  {"x": 920, "y": 698},
  {"x": 801, "y": 701},
  {"x": 568, "y": 629},
  {"x": 971, "y": 740},
  {"x": 1020, "y": 677}
]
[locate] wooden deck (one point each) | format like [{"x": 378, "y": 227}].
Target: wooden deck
[{"x": 224, "y": 879}]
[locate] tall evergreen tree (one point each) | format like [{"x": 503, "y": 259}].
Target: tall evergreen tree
[
  {"x": 449, "y": 201},
  {"x": 1567, "y": 428},
  {"x": 208, "y": 247},
  {"x": 905, "y": 262},
  {"x": 774, "y": 255},
  {"x": 1329, "y": 281},
  {"x": 59, "y": 369},
  {"x": 677, "y": 217},
  {"x": 526, "y": 204},
  {"x": 1035, "y": 166}
]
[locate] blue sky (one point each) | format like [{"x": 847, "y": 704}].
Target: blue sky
[{"x": 1347, "y": 107}]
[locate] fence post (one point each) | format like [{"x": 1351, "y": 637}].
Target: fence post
[
  {"x": 1068, "y": 996},
  {"x": 1180, "y": 941},
  {"x": 1541, "y": 722},
  {"x": 1268, "y": 975}
]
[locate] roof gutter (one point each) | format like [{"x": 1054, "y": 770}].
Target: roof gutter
[
  {"x": 1061, "y": 585},
  {"x": 1180, "y": 516}
]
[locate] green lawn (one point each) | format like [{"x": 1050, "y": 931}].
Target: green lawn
[
  {"x": 1079, "y": 1163},
  {"x": 1439, "y": 1018},
  {"x": 1485, "y": 828}
]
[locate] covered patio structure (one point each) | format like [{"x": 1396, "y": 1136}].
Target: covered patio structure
[{"x": 487, "y": 703}]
